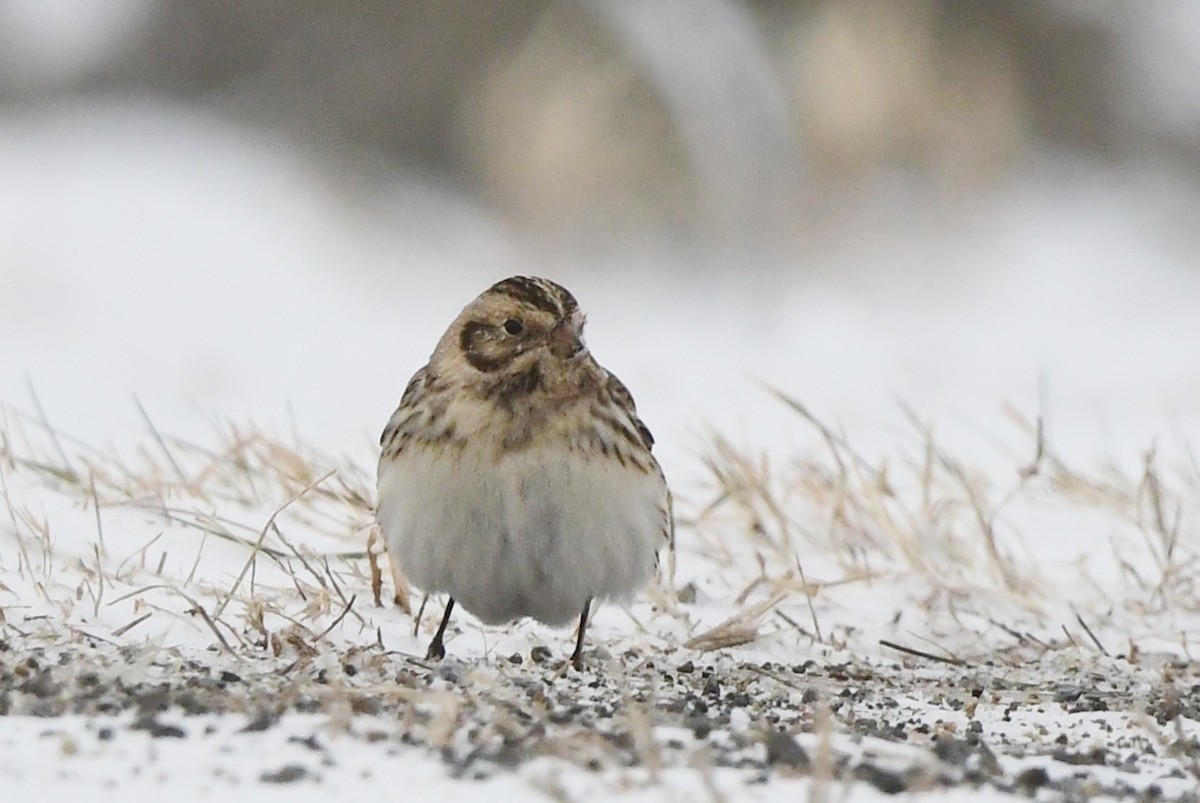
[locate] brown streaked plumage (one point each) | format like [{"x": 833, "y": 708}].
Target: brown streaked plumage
[{"x": 516, "y": 475}]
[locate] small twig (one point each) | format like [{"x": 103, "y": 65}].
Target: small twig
[
  {"x": 135, "y": 592},
  {"x": 921, "y": 653},
  {"x": 812, "y": 611},
  {"x": 159, "y": 440},
  {"x": 96, "y": 507},
  {"x": 45, "y": 422},
  {"x": 208, "y": 620},
  {"x": 339, "y": 618},
  {"x": 1014, "y": 633},
  {"x": 1091, "y": 635},
  {"x": 123, "y": 629},
  {"x": 420, "y": 614},
  {"x": 99, "y": 580},
  {"x": 196, "y": 608},
  {"x": 1034, "y": 466},
  {"x": 338, "y": 588},
  {"x": 296, "y": 552},
  {"x": 136, "y": 552},
  {"x": 799, "y": 628},
  {"x": 91, "y": 635},
  {"x": 1038, "y": 641},
  {"x": 196, "y": 563}
]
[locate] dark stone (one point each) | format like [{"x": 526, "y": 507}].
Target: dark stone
[
  {"x": 42, "y": 685},
  {"x": 1067, "y": 693},
  {"x": 699, "y": 725},
  {"x": 1096, "y": 756},
  {"x": 158, "y": 730},
  {"x": 951, "y": 750},
  {"x": 365, "y": 704},
  {"x": 289, "y": 774},
  {"x": 308, "y": 741},
  {"x": 886, "y": 781},
  {"x": 783, "y": 749},
  {"x": 261, "y": 722},
  {"x": 738, "y": 699},
  {"x": 1032, "y": 779}
]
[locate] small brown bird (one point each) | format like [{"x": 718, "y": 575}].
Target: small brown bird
[{"x": 516, "y": 475}]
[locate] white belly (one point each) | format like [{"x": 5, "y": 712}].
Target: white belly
[{"x": 537, "y": 534}]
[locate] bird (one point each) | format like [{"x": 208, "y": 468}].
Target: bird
[{"x": 515, "y": 476}]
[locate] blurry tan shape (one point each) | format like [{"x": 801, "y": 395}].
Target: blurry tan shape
[
  {"x": 647, "y": 116},
  {"x": 879, "y": 82},
  {"x": 376, "y": 546},
  {"x": 565, "y": 133},
  {"x": 740, "y": 628}
]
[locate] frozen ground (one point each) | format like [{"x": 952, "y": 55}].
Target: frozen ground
[{"x": 869, "y": 596}]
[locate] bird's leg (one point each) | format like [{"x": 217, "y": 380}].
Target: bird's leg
[
  {"x": 437, "y": 650},
  {"x": 577, "y": 656}
]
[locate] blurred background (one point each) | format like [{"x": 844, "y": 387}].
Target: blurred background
[{"x": 272, "y": 209}]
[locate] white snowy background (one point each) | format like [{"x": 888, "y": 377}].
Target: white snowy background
[{"x": 219, "y": 272}]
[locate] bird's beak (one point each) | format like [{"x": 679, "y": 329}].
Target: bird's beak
[{"x": 566, "y": 340}]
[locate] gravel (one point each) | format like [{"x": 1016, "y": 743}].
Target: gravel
[{"x": 1065, "y": 726}]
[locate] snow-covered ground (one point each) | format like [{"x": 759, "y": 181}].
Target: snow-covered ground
[{"x": 266, "y": 317}]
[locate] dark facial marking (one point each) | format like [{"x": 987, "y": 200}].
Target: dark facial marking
[
  {"x": 474, "y": 335},
  {"x": 517, "y": 386}
]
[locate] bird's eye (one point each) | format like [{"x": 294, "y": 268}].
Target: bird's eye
[{"x": 514, "y": 327}]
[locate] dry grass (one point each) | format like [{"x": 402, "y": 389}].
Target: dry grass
[
  {"x": 786, "y": 537},
  {"x": 299, "y": 518},
  {"x": 967, "y": 544}
]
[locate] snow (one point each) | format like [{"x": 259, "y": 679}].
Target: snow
[{"x": 235, "y": 290}]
